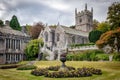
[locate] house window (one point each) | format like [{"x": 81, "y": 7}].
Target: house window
[
  {"x": 19, "y": 44},
  {"x": 6, "y": 43}
]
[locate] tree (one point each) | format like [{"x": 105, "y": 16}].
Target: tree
[
  {"x": 1, "y": 23},
  {"x": 28, "y": 28},
  {"x": 32, "y": 48},
  {"x": 113, "y": 15},
  {"x": 108, "y": 38},
  {"x": 14, "y": 24},
  {"x": 36, "y": 29},
  {"x": 73, "y": 26},
  {"x": 95, "y": 24},
  {"x": 94, "y": 35},
  {"x": 103, "y": 26}
]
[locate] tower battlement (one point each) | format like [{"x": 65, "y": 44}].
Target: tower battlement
[{"x": 84, "y": 19}]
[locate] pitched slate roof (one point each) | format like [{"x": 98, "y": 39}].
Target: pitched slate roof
[
  {"x": 74, "y": 31},
  {"x": 9, "y": 30}
]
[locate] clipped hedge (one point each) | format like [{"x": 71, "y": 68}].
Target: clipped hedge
[
  {"x": 78, "y": 45},
  {"x": 10, "y": 66},
  {"x": 89, "y": 55},
  {"x": 26, "y": 67},
  {"x": 55, "y": 73}
]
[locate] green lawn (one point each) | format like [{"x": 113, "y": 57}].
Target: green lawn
[{"x": 111, "y": 71}]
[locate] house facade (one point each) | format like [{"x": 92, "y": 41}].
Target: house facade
[{"x": 12, "y": 44}]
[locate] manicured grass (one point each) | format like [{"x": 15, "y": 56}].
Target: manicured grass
[{"x": 111, "y": 71}]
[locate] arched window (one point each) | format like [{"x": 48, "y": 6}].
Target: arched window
[
  {"x": 46, "y": 36},
  {"x": 73, "y": 39},
  {"x": 80, "y": 20},
  {"x": 58, "y": 36}
]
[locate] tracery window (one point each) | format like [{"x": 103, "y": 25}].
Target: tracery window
[
  {"x": 73, "y": 39},
  {"x": 58, "y": 36},
  {"x": 46, "y": 36}
]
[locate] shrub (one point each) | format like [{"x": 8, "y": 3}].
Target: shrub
[
  {"x": 39, "y": 71},
  {"x": 102, "y": 57},
  {"x": 32, "y": 48},
  {"x": 56, "y": 68},
  {"x": 89, "y": 55},
  {"x": 53, "y": 68},
  {"x": 116, "y": 57},
  {"x": 26, "y": 67}
]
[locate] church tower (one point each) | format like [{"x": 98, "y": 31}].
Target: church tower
[{"x": 84, "y": 20}]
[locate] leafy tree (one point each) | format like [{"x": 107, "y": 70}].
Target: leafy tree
[
  {"x": 108, "y": 38},
  {"x": 95, "y": 24},
  {"x": 73, "y": 26},
  {"x": 36, "y": 29},
  {"x": 14, "y": 24},
  {"x": 103, "y": 26},
  {"x": 94, "y": 35},
  {"x": 53, "y": 26},
  {"x": 32, "y": 48},
  {"x": 1, "y": 23},
  {"x": 113, "y": 15},
  {"x": 28, "y": 28}
]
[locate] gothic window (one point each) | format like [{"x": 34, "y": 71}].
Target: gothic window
[
  {"x": 82, "y": 40},
  {"x": 73, "y": 39},
  {"x": 53, "y": 36},
  {"x": 46, "y": 36},
  {"x": 88, "y": 20},
  {"x": 58, "y": 36},
  {"x": 80, "y": 20}
]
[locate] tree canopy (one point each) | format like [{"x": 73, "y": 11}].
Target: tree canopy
[
  {"x": 36, "y": 29},
  {"x": 108, "y": 38},
  {"x": 113, "y": 15},
  {"x": 14, "y": 24},
  {"x": 32, "y": 48},
  {"x": 95, "y": 24},
  {"x": 1, "y": 23},
  {"x": 103, "y": 27},
  {"x": 94, "y": 35}
]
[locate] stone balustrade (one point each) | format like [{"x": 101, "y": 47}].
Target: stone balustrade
[{"x": 90, "y": 47}]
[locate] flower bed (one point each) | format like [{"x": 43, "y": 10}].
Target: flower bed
[{"x": 53, "y": 72}]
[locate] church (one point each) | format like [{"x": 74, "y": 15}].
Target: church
[
  {"x": 12, "y": 44},
  {"x": 59, "y": 38}
]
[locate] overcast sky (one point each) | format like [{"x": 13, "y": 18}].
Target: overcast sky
[{"x": 51, "y": 11}]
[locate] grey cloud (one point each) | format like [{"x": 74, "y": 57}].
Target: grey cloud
[{"x": 32, "y": 11}]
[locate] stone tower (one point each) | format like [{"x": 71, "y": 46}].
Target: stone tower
[{"x": 84, "y": 20}]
